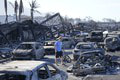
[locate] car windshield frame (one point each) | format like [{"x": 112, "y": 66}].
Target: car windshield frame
[
  {"x": 84, "y": 46},
  {"x": 96, "y": 34},
  {"x": 25, "y": 46}
]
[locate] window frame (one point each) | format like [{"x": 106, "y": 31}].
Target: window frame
[
  {"x": 45, "y": 66},
  {"x": 52, "y": 67}
]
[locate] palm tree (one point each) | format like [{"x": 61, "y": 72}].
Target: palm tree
[
  {"x": 5, "y": 5},
  {"x": 15, "y": 7},
  {"x": 21, "y": 9},
  {"x": 33, "y": 6}
]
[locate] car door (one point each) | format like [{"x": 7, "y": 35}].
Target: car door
[
  {"x": 54, "y": 73},
  {"x": 43, "y": 74},
  {"x": 39, "y": 51},
  {"x": 86, "y": 47}
]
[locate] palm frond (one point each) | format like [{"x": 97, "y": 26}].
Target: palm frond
[{"x": 37, "y": 11}]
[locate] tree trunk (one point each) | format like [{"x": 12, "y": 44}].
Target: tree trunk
[{"x": 32, "y": 14}]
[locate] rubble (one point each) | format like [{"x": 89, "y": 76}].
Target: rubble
[{"x": 93, "y": 62}]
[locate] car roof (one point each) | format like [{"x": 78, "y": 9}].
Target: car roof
[
  {"x": 96, "y": 31},
  {"x": 66, "y": 37},
  {"x": 50, "y": 41},
  {"x": 112, "y": 37},
  {"x": 30, "y": 43},
  {"x": 20, "y": 66},
  {"x": 94, "y": 51},
  {"x": 80, "y": 43}
]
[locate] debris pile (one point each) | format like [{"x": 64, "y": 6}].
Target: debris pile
[{"x": 94, "y": 62}]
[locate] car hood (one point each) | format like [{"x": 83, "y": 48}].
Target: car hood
[
  {"x": 83, "y": 50},
  {"x": 45, "y": 47}
]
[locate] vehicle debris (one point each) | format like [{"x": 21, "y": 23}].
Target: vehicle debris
[
  {"x": 93, "y": 62},
  {"x": 28, "y": 50},
  {"x": 83, "y": 47},
  {"x": 31, "y": 70}
]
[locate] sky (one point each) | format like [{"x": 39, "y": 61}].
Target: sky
[{"x": 96, "y": 9}]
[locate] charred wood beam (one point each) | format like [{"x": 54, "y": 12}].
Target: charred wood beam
[
  {"x": 20, "y": 28},
  {"x": 49, "y": 18},
  {"x": 32, "y": 30},
  {"x": 5, "y": 37},
  {"x": 62, "y": 21},
  {"x": 30, "y": 25}
]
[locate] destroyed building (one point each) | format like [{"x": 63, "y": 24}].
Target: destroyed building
[
  {"x": 33, "y": 31},
  {"x": 24, "y": 31}
]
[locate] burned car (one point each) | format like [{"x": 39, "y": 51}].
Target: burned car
[
  {"x": 80, "y": 38},
  {"x": 29, "y": 50},
  {"x": 95, "y": 36},
  {"x": 112, "y": 43},
  {"x": 31, "y": 70},
  {"x": 88, "y": 63},
  {"x": 94, "y": 62},
  {"x": 5, "y": 53},
  {"x": 83, "y": 47},
  {"x": 49, "y": 47},
  {"x": 68, "y": 42}
]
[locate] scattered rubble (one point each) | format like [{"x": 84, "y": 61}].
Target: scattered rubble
[{"x": 93, "y": 62}]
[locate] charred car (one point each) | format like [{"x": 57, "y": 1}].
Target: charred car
[
  {"x": 83, "y": 47},
  {"x": 49, "y": 47},
  {"x": 80, "y": 38},
  {"x": 29, "y": 50},
  {"x": 31, "y": 70},
  {"x": 112, "y": 43},
  {"x": 68, "y": 42},
  {"x": 88, "y": 63},
  {"x": 94, "y": 62},
  {"x": 95, "y": 36}
]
